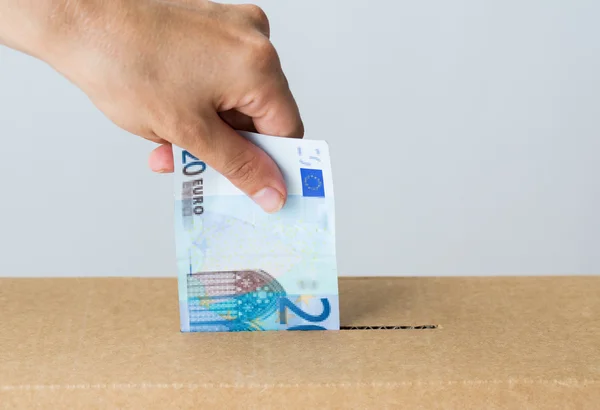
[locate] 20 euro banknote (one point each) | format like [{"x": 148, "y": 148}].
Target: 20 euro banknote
[{"x": 241, "y": 269}]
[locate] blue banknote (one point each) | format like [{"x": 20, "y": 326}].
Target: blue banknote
[{"x": 241, "y": 269}]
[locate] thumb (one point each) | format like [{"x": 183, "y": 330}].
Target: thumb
[{"x": 244, "y": 164}]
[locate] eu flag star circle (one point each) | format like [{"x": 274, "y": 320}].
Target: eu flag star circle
[{"x": 312, "y": 182}]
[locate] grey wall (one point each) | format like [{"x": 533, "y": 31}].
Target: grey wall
[{"x": 464, "y": 136}]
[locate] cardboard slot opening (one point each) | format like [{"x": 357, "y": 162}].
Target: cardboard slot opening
[{"x": 401, "y": 327}]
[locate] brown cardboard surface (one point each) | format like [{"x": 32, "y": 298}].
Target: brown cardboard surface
[{"x": 115, "y": 343}]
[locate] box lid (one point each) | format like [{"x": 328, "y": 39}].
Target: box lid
[{"x": 446, "y": 343}]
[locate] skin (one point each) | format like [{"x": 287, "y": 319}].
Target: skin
[{"x": 183, "y": 72}]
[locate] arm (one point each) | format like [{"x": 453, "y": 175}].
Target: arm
[
  {"x": 184, "y": 72},
  {"x": 34, "y": 27}
]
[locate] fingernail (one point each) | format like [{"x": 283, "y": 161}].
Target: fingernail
[{"x": 269, "y": 199}]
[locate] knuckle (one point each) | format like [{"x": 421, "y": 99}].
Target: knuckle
[
  {"x": 257, "y": 15},
  {"x": 262, "y": 53},
  {"x": 242, "y": 168}
]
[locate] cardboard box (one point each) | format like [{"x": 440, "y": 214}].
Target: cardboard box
[{"x": 445, "y": 343}]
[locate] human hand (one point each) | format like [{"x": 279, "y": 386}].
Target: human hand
[{"x": 183, "y": 72}]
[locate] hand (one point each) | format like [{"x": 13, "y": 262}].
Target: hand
[{"x": 183, "y": 72}]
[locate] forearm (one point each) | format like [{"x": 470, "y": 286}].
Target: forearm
[
  {"x": 24, "y": 24},
  {"x": 42, "y": 27}
]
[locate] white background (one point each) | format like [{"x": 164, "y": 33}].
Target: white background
[{"x": 464, "y": 139}]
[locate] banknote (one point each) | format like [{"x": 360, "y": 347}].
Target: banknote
[{"x": 242, "y": 269}]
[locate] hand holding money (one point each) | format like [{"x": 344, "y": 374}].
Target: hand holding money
[{"x": 183, "y": 72}]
